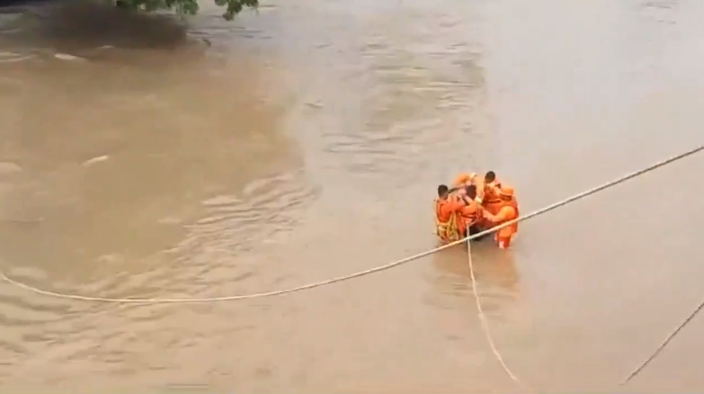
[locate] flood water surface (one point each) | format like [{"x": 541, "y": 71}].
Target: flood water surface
[{"x": 141, "y": 158}]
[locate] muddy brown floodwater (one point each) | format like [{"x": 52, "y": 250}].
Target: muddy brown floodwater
[{"x": 305, "y": 141}]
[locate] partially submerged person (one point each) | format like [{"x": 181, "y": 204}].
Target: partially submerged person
[
  {"x": 448, "y": 220},
  {"x": 475, "y": 203},
  {"x": 507, "y": 211},
  {"x": 490, "y": 190},
  {"x": 472, "y": 213}
]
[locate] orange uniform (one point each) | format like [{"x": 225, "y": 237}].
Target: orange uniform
[
  {"x": 447, "y": 219},
  {"x": 491, "y": 200},
  {"x": 465, "y": 179},
  {"x": 507, "y": 211},
  {"x": 471, "y": 214}
]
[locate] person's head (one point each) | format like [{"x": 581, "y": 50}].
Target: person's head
[
  {"x": 464, "y": 179},
  {"x": 471, "y": 191},
  {"x": 490, "y": 177},
  {"x": 443, "y": 191},
  {"x": 506, "y": 193}
]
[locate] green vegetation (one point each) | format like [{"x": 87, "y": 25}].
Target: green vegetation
[{"x": 187, "y": 7}]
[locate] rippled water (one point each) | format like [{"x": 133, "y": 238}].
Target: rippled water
[{"x": 140, "y": 158}]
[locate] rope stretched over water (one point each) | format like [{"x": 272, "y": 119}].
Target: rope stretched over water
[
  {"x": 485, "y": 323},
  {"x": 370, "y": 271},
  {"x": 663, "y": 344}
]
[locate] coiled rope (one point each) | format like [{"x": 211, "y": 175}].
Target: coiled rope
[{"x": 359, "y": 274}]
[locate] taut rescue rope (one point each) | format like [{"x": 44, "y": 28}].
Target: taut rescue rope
[
  {"x": 400, "y": 262},
  {"x": 663, "y": 344},
  {"x": 380, "y": 268}
]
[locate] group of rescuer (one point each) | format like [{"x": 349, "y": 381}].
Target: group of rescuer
[{"x": 475, "y": 205}]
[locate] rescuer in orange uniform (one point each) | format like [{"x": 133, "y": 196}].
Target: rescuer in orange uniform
[
  {"x": 472, "y": 213},
  {"x": 448, "y": 220},
  {"x": 489, "y": 197},
  {"x": 507, "y": 211}
]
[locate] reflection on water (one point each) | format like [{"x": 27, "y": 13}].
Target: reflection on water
[
  {"x": 495, "y": 272},
  {"x": 141, "y": 156},
  {"x": 78, "y": 25}
]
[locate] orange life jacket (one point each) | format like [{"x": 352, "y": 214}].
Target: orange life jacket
[
  {"x": 509, "y": 231},
  {"x": 491, "y": 200},
  {"x": 491, "y": 193},
  {"x": 471, "y": 213},
  {"x": 447, "y": 228}
]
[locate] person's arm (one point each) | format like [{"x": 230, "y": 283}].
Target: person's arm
[
  {"x": 495, "y": 190},
  {"x": 469, "y": 212},
  {"x": 480, "y": 190},
  {"x": 457, "y": 204},
  {"x": 499, "y": 217}
]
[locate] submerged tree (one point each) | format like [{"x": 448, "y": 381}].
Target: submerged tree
[{"x": 187, "y": 7}]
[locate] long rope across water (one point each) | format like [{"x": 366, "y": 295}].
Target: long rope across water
[
  {"x": 484, "y": 322},
  {"x": 359, "y": 274},
  {"x": 663, "y": 344}
]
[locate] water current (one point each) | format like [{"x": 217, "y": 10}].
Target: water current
[{"x": 141, "y": 157}]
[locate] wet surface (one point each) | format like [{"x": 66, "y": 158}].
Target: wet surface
[{"x": 143, "y": 159}]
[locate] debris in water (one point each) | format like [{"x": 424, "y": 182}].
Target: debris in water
[
  {"x": 316, "y": 104},
  {"x": 66, "y": 56},
  {"x": 10, "y": 57},
  {"x": 95, "y": 160}
]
